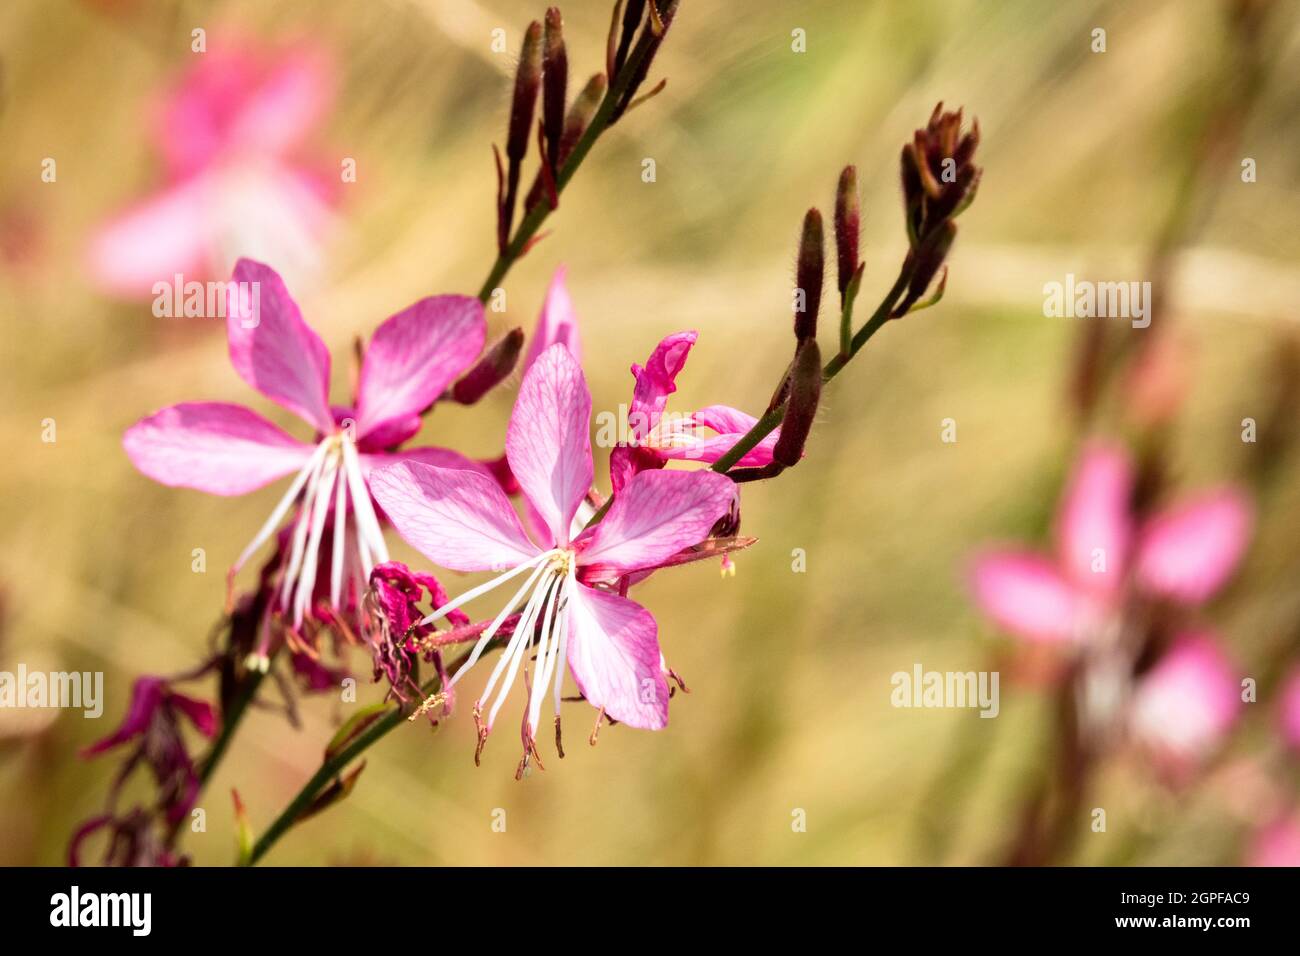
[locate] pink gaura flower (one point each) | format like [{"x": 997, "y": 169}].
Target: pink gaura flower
[
  {"x": 231, "y": 134},
  {"x": 1277, "y": 844},
  {"x": 656, "y": 438},
  {"x": 1183, "y": 554},
  {"x": 1289, "y": 711},
  {"x": 462, "y": 520},
  {"x": 227, "y": 449},
  {"x": 1185, "y": 705}
]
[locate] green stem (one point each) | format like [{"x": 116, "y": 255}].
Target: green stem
[
  {"x": 537, "y": 215},
  {"x": 764, "y": 426},
  {"x": 329, "y": 769},
  {"x": 333, "y": 765}
]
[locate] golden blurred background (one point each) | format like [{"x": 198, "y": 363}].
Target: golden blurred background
[{"x": 790, "y": 672}]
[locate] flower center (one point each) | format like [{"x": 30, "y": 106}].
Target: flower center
[{"x": 331, "y": 477}]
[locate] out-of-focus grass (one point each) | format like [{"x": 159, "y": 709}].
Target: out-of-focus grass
[{"x": 789, "y": 672}]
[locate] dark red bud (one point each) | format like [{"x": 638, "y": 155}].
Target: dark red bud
[
  {"x": 809, "y": 274},
  {"x": 491, "y": 370},
  {"x": 848, "y": 224},
  {"x": 527, "y": 81},
  {"x": 632, "y": 14},
  {"x": 555, "y": 80},
  {"x": 805, "y": 393}
]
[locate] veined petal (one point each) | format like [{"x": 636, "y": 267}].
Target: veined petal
[
  {"x": 273, "y": 349},
  {"x": 656, "y": 515},
  {"x": 437, "y": 457},
  {"x": 557, "y": 322},
  {"x": 731, "y": 424},
  {"x": 1188, "y": 553},
  {"x": 613, "y": 652},
  {"x": 1094, "y": 528},
  {"x": 656, "y": 380},
  {"x": 212, "y": 446},
  {"x": 548, "y": 441},
  {"x": 1026, "y": 595},
  {"x": 457, "y": 519},
  {"x": 414, "y": 355}
]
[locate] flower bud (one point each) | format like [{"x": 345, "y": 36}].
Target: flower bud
[
  {"x": 527, "y": 81},
  {"x": 809, "y": 274},
  {"x": 491, "y": 370},
  {"x": 938, "y": 173},
  {"x": 848, "y": 223},
  {"x": 632, "y": 15},
  {"x": 805, "y": 393},
  {"x": 653, "y": 37},
  {"x": 555, "y": 80}
]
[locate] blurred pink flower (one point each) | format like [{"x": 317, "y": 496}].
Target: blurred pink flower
[
  {"x": 154, "y": 720},
  {"x": 463, "y": 521},
  {"x": 1183, "y": 554},
  {"x": 231, "y": 135},
  {"x": 656, "y": 438},
  {"x": 1185, "y": 705},
  {"x": 228, "y": 449},
  {"x": 1277, "y": 844},
  {"x": 1289, "y": 715}
]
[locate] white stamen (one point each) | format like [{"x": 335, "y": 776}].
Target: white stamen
[
  {"x": 340, "y": 539},
  {"x": 320, "y": 509},
  {"x": 367, "y": 523},
  {"x": 273, "y": 522},
  {"x": 300, "y": 532},
  {"x": 484, "y": 588},
  {"x": 545, "y": 655},
  {"x": 562, "y": 650},
  {"x": 495, "y": 625},
  {"x": 519, "y": 643}
]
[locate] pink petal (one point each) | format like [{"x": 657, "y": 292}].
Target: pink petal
[
  {"x": 437, "y": 457},
  {"x": 239, "y": 100},
  {"x": 548, "y": 441},
  {"x": 199, "y": 712},
  {"x": 457, "y": 519},
  {"x": 212, "y": 446},
  {"x": 657, "y": 380},
  {"x": 1187, "y": 702},
  {"x": 627, "y": 461},
  {"x": 146, "y": 697},
  {"x": 731, "y": 424},
  {"x": 1290, "y": 709},
  {"x": 286, "y": 105},
  {"x": 1026, "y": 595},
  {"x": 167, "y": 233},
  {"x": 414, "y": 356},
  {"x": 1188, "y": 552},
  {"x": 274, "y": 350},
  {"x": 614, "y": 657},
  {"x": 658, "y": 514},
  {"x": 1277, "y": 844},
  {"x": 557, "y": 322},
  {"x": 1094, "y": 528}
]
